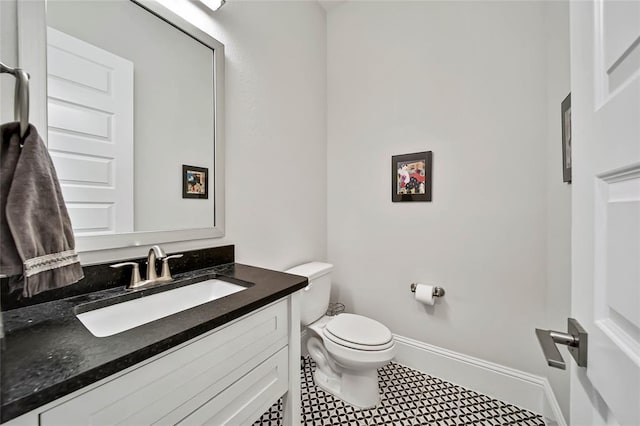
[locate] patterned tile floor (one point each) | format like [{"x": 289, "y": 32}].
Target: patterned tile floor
[{"x": 408, "y": 398}]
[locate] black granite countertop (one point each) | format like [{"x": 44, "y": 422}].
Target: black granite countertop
[{"x": 48, "y": 353}]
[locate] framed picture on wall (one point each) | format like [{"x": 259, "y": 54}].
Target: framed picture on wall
[
  {"x": 411, "y": 177},
  {"x": 566, "y": 139},
  {"x": 195, "y": 182}
]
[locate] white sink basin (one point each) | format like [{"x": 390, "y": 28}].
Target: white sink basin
[{"x": 123, "y": 316}]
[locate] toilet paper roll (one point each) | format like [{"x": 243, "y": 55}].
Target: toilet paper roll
[{"x": 424, "y": 294}]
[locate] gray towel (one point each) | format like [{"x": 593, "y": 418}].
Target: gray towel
[{"x": 36, "y": 237}]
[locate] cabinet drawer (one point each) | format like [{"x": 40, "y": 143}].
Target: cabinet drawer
[
  {"x": 176, "y": 384},
  {"x": 248, "y": 398}
]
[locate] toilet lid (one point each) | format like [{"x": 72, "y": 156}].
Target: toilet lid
[{"x": 358, "y": 332}]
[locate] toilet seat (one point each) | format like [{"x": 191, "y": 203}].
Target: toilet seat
[
  {"x": 356, "y": 346},
  {"x": 358, "y": 332}
]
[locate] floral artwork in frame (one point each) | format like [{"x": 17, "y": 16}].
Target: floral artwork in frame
[{"x": 411, "y": 177}]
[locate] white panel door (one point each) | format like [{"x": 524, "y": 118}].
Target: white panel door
[
  {"x": 90, "y": 108},
  {"x": 605, "y": 80}
]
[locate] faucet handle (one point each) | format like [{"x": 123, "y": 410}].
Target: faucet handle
[
  {"x": 135, "y": 274},
  {"x": 166, "y": 273}
]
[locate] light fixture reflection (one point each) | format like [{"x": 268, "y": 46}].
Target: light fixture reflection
[{"x": 213, "y": 4}]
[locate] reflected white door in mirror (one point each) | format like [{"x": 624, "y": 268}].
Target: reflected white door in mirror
[{"x": 90, "y": 113}]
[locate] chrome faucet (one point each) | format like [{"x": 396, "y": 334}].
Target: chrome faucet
[{"x": 155, "y": 253}]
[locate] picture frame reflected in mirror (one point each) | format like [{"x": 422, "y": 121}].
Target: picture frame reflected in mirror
[{"x": 195, "y": 182}]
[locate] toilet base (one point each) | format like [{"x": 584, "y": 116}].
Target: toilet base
[{"x": 356, "y": 388}]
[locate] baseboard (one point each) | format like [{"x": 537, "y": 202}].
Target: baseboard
[
  {"x": 516, "y": 387},
  {"x": 551, "y": 408}
]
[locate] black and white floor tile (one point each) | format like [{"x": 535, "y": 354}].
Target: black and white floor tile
[{"x": 410, "y": 398}]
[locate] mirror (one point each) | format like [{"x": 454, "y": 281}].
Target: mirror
[{"x": 134, "y": 110}]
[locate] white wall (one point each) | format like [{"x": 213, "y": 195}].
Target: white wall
[
  {"x": 558, "y": 297},
  {"x": 275, "y": 131},
  {"x": 467, "y": 81}
]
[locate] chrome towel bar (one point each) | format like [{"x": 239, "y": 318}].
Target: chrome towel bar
[{"x": 21, "y": 99}]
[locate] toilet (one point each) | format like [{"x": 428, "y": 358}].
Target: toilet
[{"x": 348, "y": 349}]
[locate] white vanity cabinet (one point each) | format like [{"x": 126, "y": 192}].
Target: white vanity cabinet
[{"x": 230, "y": 375}]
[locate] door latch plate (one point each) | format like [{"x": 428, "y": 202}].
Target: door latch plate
[{"x": 579, "y": 351}]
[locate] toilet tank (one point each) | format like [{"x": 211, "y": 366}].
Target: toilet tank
[{"x": 315, "y": 297}]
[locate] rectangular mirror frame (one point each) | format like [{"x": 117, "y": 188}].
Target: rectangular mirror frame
[{"x": 32, "y": 48}]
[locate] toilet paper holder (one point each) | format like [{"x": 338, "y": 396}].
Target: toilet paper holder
[{"x": 437, "y": 291}]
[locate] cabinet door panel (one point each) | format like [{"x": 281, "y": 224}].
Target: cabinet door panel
[{"x": 238, "y": 404}]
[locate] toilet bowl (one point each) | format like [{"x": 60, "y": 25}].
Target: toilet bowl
[{"x": 348, "y": 349}]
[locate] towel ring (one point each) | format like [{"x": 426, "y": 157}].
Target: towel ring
[{"x": 21, "y": 96}]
